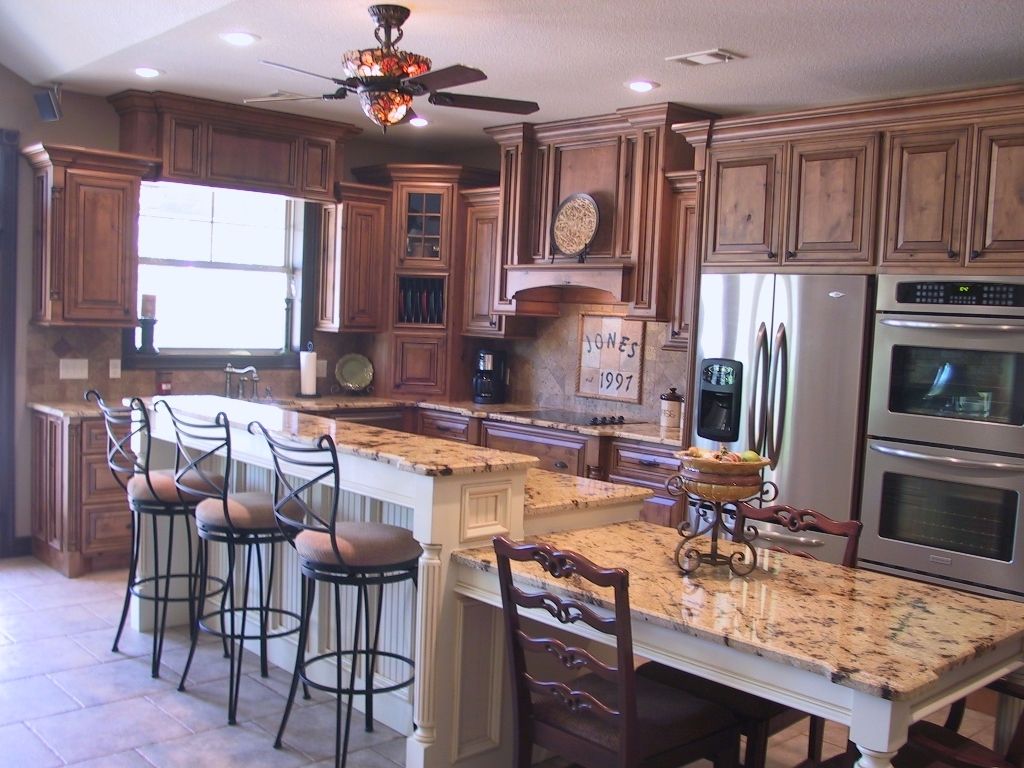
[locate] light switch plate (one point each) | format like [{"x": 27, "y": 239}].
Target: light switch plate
[
  {"x": 74, "y": 368},
  {"x": 115, "y": 368},
  {"x": 321, "y": 369}
]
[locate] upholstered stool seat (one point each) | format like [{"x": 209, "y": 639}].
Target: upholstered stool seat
[
  {"x": 343, "y": 554},
  {"x": 246, "y": 511},
  {"x": 361, "y": 545}
]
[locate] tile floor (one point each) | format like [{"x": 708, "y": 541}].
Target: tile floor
[{"x": 66, "y": 699}]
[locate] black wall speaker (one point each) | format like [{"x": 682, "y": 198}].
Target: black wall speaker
[{"x": 48, "y": 105}]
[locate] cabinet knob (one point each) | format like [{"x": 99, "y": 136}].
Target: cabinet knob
[
  {"x": 975, "y": 255},
  {"x": 675, "y": 333},
  {"x": 951, "y": 254},
  {"x": 561, "y": 465},
  {"x": 493, "y": 322},
  {"x": 771, "y": 255},
  {"x": 790, "y": 254},
  {"x": 648, "y": 462}
]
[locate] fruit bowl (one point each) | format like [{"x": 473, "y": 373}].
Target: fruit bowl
[{"x": 721, "y": 480}]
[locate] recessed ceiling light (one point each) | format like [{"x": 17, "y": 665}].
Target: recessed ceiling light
[
  {"x": 241, "y": 39},
  {"x": 419, "y": 122},
  {"x": 642, "y": 86},
  {"x": 147, "y": 72},
  {"x": 715, "y": 56}
]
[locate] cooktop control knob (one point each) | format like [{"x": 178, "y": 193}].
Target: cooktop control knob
[
  {"x": 621, "y": 420},
  {"x": 594, "y": 420}
]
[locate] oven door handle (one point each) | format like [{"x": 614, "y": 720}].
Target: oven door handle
[
  {"x": 947, "y": 460},
  {"x": 942, "y": 326}
]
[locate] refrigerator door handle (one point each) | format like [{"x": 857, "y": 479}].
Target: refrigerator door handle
[
  {"x": 775, "y": 423},
  {"x": 759, "y": 395}
]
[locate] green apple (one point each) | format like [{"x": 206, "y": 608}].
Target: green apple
[{"x": 750, "y": 456}]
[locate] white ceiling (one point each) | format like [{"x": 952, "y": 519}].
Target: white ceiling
[{"x": 571, "y": 56}]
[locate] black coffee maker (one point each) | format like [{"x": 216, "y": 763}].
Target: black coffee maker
[{"x": 489, "y": 378}]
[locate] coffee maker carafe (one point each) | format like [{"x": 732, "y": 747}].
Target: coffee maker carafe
[{"x": 489, "y": 378}]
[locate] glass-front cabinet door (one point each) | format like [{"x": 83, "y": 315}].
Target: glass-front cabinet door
[{"x": 424, "y": 222}]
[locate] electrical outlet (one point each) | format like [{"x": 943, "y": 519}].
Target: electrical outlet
[
  {"x": 321, "y": 369},
  {"x": 74, "y": 368},
  {"x": 115, "y": 368}
]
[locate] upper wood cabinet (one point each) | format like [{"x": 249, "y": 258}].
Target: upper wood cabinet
[
  {"x": 85, "y": 234},
  {"x": 228, "y": 145},
  {"x": 685, "y": 257},
  {"x": 619, "y": 160},
  {"x": 926, "y": 196},
  {"x": 997, "y": 237},
  {"x": 352, "y": 266},
  {"x": 479, "y": 317},
  {"x": 934, "y": 215},
  {"x": 799, "y": 202}
]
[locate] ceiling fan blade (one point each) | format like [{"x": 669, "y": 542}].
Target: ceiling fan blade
[
  {"x": 302, "y": 71},
  {"x": 514, "y": 106},
  {"x": 449, "y": 77},
  {"x": 279, "y": 96}
]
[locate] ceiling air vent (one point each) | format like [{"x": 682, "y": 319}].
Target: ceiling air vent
[{"x": 716, "y": 56}]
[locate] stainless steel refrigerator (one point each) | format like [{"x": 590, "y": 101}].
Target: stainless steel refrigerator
[{"x": 801, "y": 342}]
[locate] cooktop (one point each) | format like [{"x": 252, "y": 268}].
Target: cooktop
[{"x": 576, "y": 417}]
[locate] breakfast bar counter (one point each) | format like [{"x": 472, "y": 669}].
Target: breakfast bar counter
[{"x": 873, "y": 651}]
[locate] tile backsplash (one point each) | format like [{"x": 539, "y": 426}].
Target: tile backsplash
[{"x": 543, "y": 370}]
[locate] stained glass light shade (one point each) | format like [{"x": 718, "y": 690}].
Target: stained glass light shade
[{"x": 384, "y": 105}]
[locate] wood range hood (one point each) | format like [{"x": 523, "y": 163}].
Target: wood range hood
[{"x": 599, "y": 282}]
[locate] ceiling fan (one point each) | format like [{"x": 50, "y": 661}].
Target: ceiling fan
[{"x": 386, "y": 79}]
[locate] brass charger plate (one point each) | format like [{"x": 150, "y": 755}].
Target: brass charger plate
[
  {"x": 574, "y": 225},
  {"x": 354, "y": 372}
]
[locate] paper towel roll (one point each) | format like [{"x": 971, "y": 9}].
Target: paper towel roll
[{"x": 307, "y": 373}]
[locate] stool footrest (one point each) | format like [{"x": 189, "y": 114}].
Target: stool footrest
[
  {"x": 304, "y": 675},
  {"x": 253, "y": 611}
]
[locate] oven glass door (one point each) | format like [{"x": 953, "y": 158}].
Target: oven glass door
[
  {"x": 952, "y": 381},
  {"x": 951, "y": 514}
]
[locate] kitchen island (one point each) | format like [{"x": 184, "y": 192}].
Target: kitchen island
[
  {"x": 452, "y": 496},
  {"x": 873, "y": 651}
]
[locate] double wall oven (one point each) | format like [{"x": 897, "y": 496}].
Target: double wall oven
[{"x": 943, "y": 493}]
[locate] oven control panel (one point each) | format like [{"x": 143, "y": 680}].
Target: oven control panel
[{"x": 960, "y": 292}]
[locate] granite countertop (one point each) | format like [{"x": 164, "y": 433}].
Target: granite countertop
[
  {"x": 411, "y": 453},
  {"x": 884, "y": 635},
  {"x": 509, "y": 412},
  {"x": 551, "y": 492}
]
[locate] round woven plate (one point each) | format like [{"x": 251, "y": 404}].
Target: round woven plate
[
  {"x": 575, "y": 224},
  {"x": 354, "y": 372}
]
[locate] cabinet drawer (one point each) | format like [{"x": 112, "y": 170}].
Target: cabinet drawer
[
  {"x": 106, "y": 530},
  {"x": 558, "y": 451},
  {"x": 98, "y": 484},
  {"x": 643, "y": 462},
  {"x": 94, "y": 436},
  {"x": 448, "y": 426}
]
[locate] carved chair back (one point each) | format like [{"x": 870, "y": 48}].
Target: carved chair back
[
  {"x": 203, "y": 456},
  {"x": 799, "y": 521}
]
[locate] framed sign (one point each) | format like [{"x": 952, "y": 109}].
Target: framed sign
[{"x": 611, "y": 359}]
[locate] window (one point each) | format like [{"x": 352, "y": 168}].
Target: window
[{"x": 221, "y": 264}]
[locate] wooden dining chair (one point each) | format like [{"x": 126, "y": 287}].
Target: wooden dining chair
[
  {"x": 760, "y": 718},
  {"x": 606, "y": 717}
]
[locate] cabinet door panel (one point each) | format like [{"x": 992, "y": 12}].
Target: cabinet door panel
[
  {"x": 100, "y": 268},
  {"x": 423, "y": 225},
  {"x": 185, "y": 149},
  {"x": 481, "y": 258},
  {"x": 106, "y": 530},
  {"x": 830, "y": 201},
  {"x": 317, "y": 159},
  {"x": 245, "y": 156},
  {"x": 328, "y": 298},
  {"x": 926, "y": 197},
  {"x": 998, "y": 235},
  {"x": 743, "y": 220},
  {"x": 419, "y": 364},
  {"x": 363, "y": 265}
]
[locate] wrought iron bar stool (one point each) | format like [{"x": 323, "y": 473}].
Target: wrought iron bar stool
[
  {"x": 343, "y": 554},
  {"x": 241, "y": 521},
  {"x": 155, "y": 496}
]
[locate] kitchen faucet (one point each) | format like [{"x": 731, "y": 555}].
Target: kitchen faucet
[{"x": 254, "y": 379}]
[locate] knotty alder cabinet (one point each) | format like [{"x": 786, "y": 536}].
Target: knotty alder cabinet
[
  {"x": 352, "y": 266},
  {"x": 649, "y": 466},
  {"x": 933, "y": 213},
  {"x": 85, "y": 234},
  {"x": 800, "y": 202},
  {"x": 684, "y": 256},
  {"x": 558, "y": 450},
  {"x": 80, "y": 515}
]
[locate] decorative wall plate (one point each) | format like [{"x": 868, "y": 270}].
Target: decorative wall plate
[
  {"x": 574, "y": 225},
  {"x": 354, "y": 372}
]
